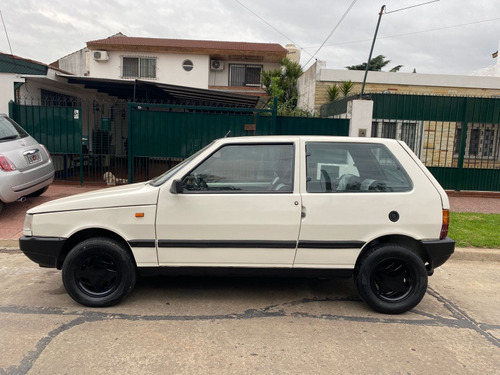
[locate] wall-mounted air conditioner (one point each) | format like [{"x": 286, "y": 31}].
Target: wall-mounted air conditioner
[
  {"x": 100, "y": 55},
  {"x": 216, "y": 65}
]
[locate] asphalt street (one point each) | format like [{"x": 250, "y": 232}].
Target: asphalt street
[{"x": 201, "y": 325}]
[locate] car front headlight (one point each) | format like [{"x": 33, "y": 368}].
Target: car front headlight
[{"x": 28, "y": 223}]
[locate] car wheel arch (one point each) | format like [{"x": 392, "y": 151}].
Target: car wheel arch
[
  {"x": 85, "y": 234},
  {"x": 414, "y": 245}
]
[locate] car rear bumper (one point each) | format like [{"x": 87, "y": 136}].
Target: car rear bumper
[
  {"x": 17, "y": 184},
  {"x": 438, "y": 251},
  {"x": 42, "y": 250}
]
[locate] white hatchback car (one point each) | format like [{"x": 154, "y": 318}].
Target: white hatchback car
[{"x": 362, "y": 207}]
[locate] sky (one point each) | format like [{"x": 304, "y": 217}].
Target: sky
[{"x": 438, "y": 37}]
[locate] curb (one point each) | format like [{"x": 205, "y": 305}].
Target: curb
[
  {"x": 461, "y": 253},
  {"x": 475, "y": 254}
]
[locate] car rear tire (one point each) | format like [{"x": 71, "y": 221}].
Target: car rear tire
[
  {"x": 99, "y": 272},
  {"x": 391, "y": 279}
]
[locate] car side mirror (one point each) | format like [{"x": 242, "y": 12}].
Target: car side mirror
[{"x": 177, "y": 187}]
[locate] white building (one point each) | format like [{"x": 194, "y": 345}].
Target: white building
[{"x": 232, "y": 66}]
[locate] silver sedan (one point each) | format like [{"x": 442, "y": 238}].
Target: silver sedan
[{"x": 26, "y": 168}]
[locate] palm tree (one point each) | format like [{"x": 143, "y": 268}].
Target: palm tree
[{"x": 282, "y": 83}]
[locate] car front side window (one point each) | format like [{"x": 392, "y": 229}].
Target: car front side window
[{"x": 244, "y": 168}]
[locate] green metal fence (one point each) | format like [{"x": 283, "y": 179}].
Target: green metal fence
[
  {"x": 118, "y": 142},
  {"x": 458, "y": 138},
  {"x": 162, "y": 135}
]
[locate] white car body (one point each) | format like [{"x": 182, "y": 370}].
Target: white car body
[{"x": 162, "y": 226}]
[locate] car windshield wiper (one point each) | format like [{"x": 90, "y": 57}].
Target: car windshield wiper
[{"x": 15, "y": 136}]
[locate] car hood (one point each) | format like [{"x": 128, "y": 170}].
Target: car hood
[{"x": 139, "y": 194}]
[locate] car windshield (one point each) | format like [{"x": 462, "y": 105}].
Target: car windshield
[
  {"x": 10, "y": 130},
  {"x": 168, "y": 174}
]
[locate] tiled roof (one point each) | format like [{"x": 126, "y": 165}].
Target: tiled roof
[{"x": 120, "y": 41}]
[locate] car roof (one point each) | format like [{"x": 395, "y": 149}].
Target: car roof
[{"x": 310, "y": 138}]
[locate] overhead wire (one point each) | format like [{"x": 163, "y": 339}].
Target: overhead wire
[
  {"x": 408, "y": 34},
  {"x": 333, "y": 30},
  {"x": 271, "y": 26}
]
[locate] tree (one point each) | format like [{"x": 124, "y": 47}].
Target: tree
[
  {"x": 282, "y": 83},
  {"x": 333, "y": 92},
  {"x": 345, "y": 88},
  {"x": 376, "y": 64}
]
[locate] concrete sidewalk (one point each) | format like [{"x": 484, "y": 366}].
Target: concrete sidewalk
[{"x": 12, "y": 215}]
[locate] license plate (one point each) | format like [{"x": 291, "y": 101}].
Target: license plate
[{"x": 33, "y": 158}]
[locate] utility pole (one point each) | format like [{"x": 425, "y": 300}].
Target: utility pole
[{"x": 371, "y": 51}]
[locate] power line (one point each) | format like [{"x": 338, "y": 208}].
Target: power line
[
  {"x": 333, "y": 30},
  {"x": 271, "y": 26},
  {"x": 408, "y": 34},
  {"x": 412, "y": 6}
]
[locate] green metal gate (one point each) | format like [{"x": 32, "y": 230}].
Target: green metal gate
[
  {"x": 458, "y": 138},
  {"x": 162, "y": 135}
]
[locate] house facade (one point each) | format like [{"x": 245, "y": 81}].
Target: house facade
[
  {"x": 217, "y": 65},
  {"x": 313, "y": 85}
]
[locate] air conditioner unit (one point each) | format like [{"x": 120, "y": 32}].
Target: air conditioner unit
[
  {"x": 216, "y": 65},
  {"x": 101, "y": 55}
]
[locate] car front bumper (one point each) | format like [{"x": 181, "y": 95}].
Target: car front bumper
[{"x": 45, "y": 251}]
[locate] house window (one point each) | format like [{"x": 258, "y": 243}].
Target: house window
[
  {"x": 244, "y": 75},
  {"x": 483, "y": 141},
  {"x": 139, "y": 67},
  {"x": 410, "y": 132}
]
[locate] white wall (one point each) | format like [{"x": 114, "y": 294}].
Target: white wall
[
  {"x": 168, "y": 68},
  {"x": 413, "y": 79},
  {"x": 76, "y": 63},
  {"x": 361, "y": 113},
  {"x": 307, "y": 86},
  {"x": 7, "y": 81}
]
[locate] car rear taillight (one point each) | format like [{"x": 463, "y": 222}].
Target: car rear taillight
[
  {"x": 446, "y": 224},
  {"x": 46, "y": 151},
  {"x": 6, "y": 164}
]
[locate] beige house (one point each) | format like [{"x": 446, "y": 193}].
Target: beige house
[{"x": 314, "y": 83}]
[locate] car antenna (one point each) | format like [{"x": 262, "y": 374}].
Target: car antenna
[{"x": 227, "y": 134}]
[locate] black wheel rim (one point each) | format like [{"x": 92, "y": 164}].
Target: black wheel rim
[
  {"x": 392, "y": 280},
  {"x": 98, "y": 275}
]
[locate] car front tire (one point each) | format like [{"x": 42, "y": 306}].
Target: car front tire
[
  {"x": 99, "y": 272},
  {"x": 391, "y": 279}
]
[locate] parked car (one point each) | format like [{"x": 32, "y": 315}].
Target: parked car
[
  {"x": 334, "y": 206},
  {"x": 26, "y": 169}
]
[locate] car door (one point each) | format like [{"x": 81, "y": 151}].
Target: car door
[
  {"x": 240, "y": 206},
  {"x": 348, "y": 194}
]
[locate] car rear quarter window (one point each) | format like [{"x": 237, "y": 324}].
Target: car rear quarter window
[
  {"x": 353, "y": 167},
  {"x": 244, "y": 168}
]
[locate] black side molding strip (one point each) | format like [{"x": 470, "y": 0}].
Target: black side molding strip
[
  {"x": 142, "y": 243},
  {"x": 331, "y": 244},
  {"x": 229, "y": 244},
  {"x": 246, "y": 244}
]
